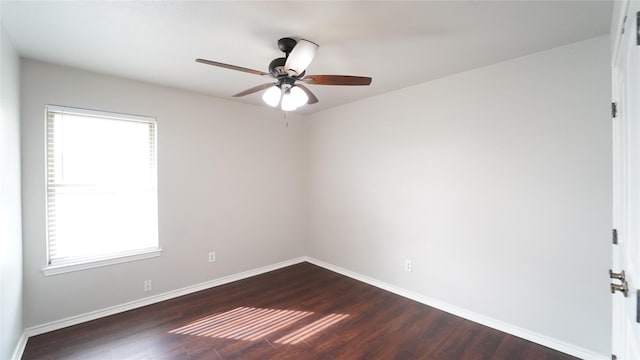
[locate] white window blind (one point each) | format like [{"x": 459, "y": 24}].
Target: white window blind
[{"x": 101, "y": 185}]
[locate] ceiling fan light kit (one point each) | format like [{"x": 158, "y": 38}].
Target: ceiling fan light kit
[
  {"x": 286, "y": 71},
  {"x": 288, "y": 103},
  {"x": 293, "y": 98},
  {"x": 272, "y": 96}
]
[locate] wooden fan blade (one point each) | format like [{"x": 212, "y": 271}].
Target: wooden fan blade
[
  {"x": 254, "y": 89},
  {"x": 233, "y": 67},
  {"x": 336, "y": 80},
  {"x": 312, "y": 98}
]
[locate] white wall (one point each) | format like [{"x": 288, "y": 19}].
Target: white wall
[
  {"x": 230, "y": 180},
  {"x": 10, "y": 206},
  {"x": 495, "y": 182}
]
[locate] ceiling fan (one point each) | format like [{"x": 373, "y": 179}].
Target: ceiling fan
[{"x": 289, "y": 73}]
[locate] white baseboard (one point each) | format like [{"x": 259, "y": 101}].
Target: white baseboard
[
  {"x": 22, "y": 343},
  {"x": 463, "y": 313},
  {"x": 74, "y": 320},
  {"x": 468, "y": 315}
]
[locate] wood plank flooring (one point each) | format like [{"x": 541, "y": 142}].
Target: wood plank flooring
[{"x": 298, "y": 312}]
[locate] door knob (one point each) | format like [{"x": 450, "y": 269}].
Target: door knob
[
  {"x": 620, "y": 276},
  {"x": 624, "y": 288}
]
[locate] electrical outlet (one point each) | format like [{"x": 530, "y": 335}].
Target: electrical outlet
[
  {"x": 147, "y": 285},
  {"x": 212, "y": 256},
  {"x": 407, "y": 265}
]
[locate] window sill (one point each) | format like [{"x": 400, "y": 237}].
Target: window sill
[{"x": 104, "y": 261}]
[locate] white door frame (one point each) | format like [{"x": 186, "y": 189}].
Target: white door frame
[{"x": 625, "y": 63}]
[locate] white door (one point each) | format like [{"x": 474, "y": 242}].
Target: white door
[{"x": 626, "y": 182}]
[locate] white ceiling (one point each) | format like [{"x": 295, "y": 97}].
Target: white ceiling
[{"x": 397, "y": 43}]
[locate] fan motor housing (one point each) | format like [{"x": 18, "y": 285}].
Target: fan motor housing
[
  {"x": 286, "y": 45},
  {"x": 276, "y": 67}
]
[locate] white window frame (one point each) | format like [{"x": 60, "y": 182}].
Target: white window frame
[{"x": 81, "y": 263}]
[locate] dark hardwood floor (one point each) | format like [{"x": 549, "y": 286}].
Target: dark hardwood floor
[{"x": 298, "y": 312}]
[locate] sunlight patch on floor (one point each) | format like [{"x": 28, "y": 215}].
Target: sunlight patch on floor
[
  {"x": 311, "y": 329},
  {"x": 247, "y": 323}
]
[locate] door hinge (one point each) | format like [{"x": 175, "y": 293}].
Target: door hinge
[
  {"x": 614, "y": 109},
  {"x": 638, "y": 306},
  {"x": 614, "y": 236},
  {"x": 638, "y": 28}
]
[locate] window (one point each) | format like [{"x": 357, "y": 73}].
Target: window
[{"x": 101, "y": 188}]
